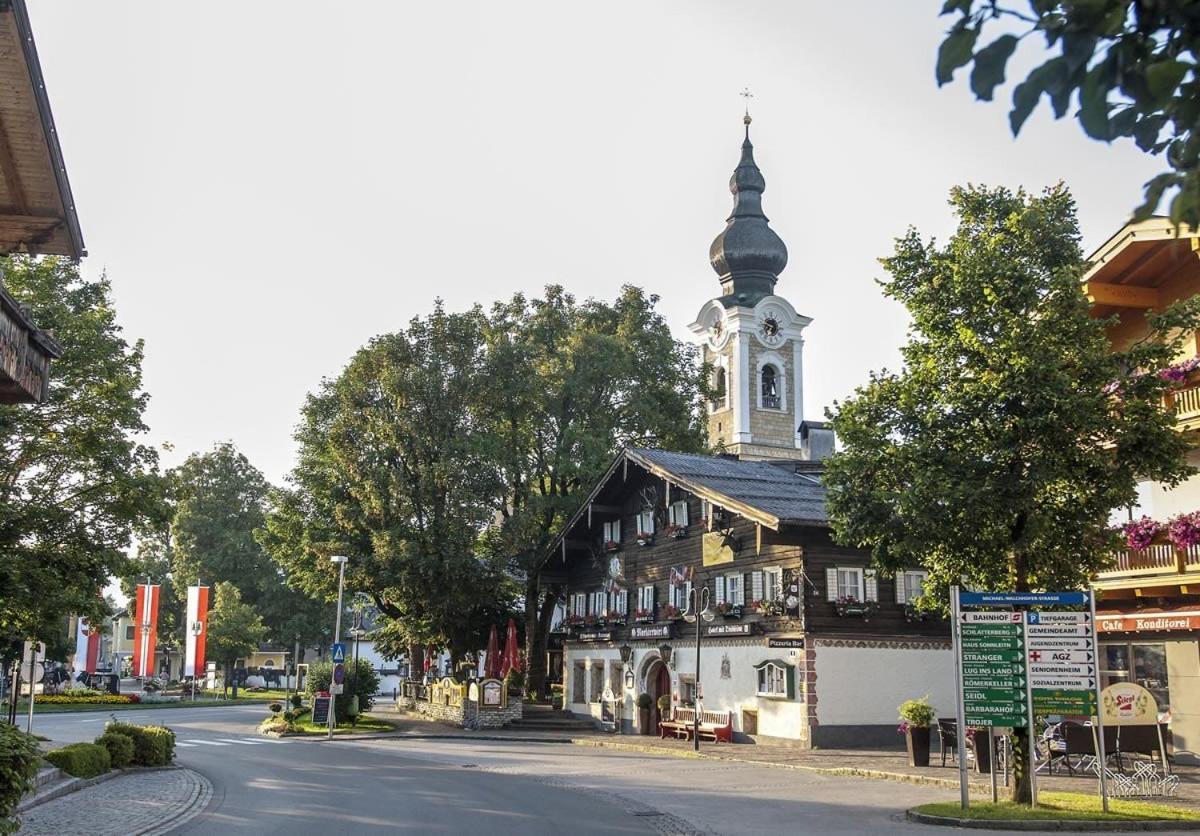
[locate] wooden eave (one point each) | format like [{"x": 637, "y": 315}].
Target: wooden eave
[
  {"x": 37, "y": 209},
  {"x": 1129, "y": 269}
]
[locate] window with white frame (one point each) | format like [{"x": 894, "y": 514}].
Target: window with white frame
[
  {"x": 680, "y": 594},
  {"x": 733, "y": 589},
  {"x": 599, "y": 603},
  {"x": 773, "y": 584},
  {"x": 775, "y": 680},
  {"x": 910, "y": 584},
  {"x": 620, "y": 601},
  {"x": 579, "y": 604},
  {"x": 612, "y": 532},
  {"x": 687, "y": 690},
  {"x": 769, "y": 391},
  {"x": 646, "y": 599},
  {"x": 645, "y": 522},
  {"x": 706, "y": 512},
  {"x": 595, "y": 680},
  {"x": 850, "y": 583},
  {"x": 756, "y": 585},
  {"x": 678, "y": 513}
]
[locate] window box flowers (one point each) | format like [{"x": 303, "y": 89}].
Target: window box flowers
[
  {"x": 612, "y": 546},
  {"x": 645, "y": 538},
  {"x": 1139, "y": 534},
  {"x": 615, "y": 619},
  {"x": 766, "y": 606},
  {"x": 729, "y": 610},
  {"x": 1177, "y": 373},
  {"x": 848, "y": 605},
  {"x": 591, "y": 620},
  {"x": 573, "y": 622},
  {"x": 676, "y": 532},
  {"x": 914, "y": 616},
  {"x": 1184, "y": 530},
  {"x": 643, "y": 616},
  {"x": 671, "y": 612}
]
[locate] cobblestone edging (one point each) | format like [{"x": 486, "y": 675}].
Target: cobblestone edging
[
  {"x": 141, "y": 802},
  {"x": 1064, "y": 825}
]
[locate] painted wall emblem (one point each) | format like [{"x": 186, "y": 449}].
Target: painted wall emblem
[{"x": 725, "y": 674}]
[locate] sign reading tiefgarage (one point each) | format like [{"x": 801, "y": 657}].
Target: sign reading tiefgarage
[{"x": 991, "y": 650}]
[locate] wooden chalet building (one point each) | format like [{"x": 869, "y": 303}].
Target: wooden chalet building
[
  {"x": 37, "y": 212},
  {"x": 809, "y": 645}
]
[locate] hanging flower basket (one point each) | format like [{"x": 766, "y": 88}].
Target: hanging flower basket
[
  {"x": 1184, "y": 530},
  {"x": 1139, "y": 534}
]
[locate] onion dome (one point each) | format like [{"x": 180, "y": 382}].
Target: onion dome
[{"x": 747, "y": 255}]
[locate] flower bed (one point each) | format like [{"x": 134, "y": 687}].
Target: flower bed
[{"x": 90, "y": 699}]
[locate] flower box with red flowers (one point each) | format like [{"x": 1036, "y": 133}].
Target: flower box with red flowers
[
  {"x": 645, "y": 538},
  {"x": 671, "y": 613},
  {"x": 848, "y": 605},
  {"x": 729, "y": 610},
  {"x": 612, "y": 546},
  {"x": 676, "y": 532},
  {"x": 643, "y": 616}
]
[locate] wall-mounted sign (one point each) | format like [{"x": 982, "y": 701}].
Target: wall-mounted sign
[
  {"x": 492, "y": 691},
  {"x": 790, "y": 644},
  {"x": 1155, "y": 622},
  {"x": 650, "y": 631},
  {"x": 595, "y": 636},
  {"x": 745, "y": 629},
  {"x": 716, "y": 548}
]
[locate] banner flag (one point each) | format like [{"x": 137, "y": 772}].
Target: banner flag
[
  {"x": 197, "y": 630},
  {"x": 87, "y": 647},
  {"x": 145, "y": 629}
]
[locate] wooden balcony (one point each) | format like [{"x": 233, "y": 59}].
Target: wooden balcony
[
  {"x": 1186, "y": 403},
  {"x": 1161, "y": 562},
  {"x": 25, "y": 355}
]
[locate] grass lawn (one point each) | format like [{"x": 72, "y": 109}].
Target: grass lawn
[
  {"x": 268, "y": 696},
  {"x": 71, "y": 708},
  {"x": 1062, "y": 805},
  {"x": 373, "y": 725}
]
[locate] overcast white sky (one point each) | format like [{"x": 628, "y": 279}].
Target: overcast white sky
[{"x": 269, "y": 184}]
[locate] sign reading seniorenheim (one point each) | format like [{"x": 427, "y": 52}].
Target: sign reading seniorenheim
[{"x": 789, "y": 644}]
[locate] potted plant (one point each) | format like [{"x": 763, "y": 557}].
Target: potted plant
[
  {"x": 664, "y": 707},
  {"x": 612, "y": 546},
  {"x": 728, "y": 610},
  {"x": 643, "y": 616},
  {"x": 916, "y": 716},
  {"x": 848, "y": 605},
  {"x": 645, "y": 538},
  {"x": 644, "y": 704},
  {"x": 675, "y": 532}
]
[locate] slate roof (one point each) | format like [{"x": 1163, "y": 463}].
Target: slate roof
[{"x": 775, "y": 491}]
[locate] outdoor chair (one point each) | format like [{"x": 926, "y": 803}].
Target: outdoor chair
[
  {"x": 948, "y": 738},
  {"x": 1136, "y": 740}
]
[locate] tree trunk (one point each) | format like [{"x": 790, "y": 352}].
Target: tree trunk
[
  {"x": 535, "y": 638},
  {"x": 416, "y": 662}
]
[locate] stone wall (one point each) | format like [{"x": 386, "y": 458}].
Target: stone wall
[{"x": 468, "y": 715}]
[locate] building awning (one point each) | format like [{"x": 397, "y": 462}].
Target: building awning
[
  {"x": 1141, "y": 266},
  {"x": 1148, "y": 620}
]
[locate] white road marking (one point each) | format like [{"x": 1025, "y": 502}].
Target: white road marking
[
  {"x": 243, "y": 741},
  {"x": 205, "y": 742},
  {"x": 180, "y": 743}
]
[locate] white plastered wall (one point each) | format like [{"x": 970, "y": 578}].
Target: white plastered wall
[{"x": 864, "y": 685}]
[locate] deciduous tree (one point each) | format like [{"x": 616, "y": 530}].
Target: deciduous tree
[
  {"x": 234, "y": 629},
  {"x": 995, "y": 457}
]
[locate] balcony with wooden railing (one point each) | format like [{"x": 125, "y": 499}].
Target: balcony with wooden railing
[
  {"x": 1186, "y": 403},
  {"x": 1162, "y": 560}
]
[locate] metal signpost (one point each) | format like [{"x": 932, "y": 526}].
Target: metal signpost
[{"x": 1013, "y": 665}]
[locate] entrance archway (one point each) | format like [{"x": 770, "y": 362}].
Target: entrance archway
[{"x": 658, "y": 682}]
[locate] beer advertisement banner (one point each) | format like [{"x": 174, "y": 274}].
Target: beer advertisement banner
[
  {"x": 197, "y": 630},
  {"x": 145, "y": 634}
]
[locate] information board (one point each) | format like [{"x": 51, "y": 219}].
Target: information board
[
  {"x": 992, "y": 651},
  {"x": 1061, "y": 648},
  {"x": 320, "y": 712}
]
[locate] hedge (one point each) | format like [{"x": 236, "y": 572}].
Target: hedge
[
  {"x": 152, "y": 745},
  {"x": 83, "y": 760},
  {"x": 19, "y": 760},
  {"x": 119, "y": 746}
]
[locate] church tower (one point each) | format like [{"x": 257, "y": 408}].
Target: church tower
[{"x": 752, "y": 338}]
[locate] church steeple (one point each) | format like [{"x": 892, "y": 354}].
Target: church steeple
[{"x": 748, "y": 255}]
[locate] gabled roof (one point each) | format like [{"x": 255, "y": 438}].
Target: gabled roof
[{"x": 787, "y": 493}]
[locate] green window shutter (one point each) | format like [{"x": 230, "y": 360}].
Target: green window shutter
[{"x": 791, "y": 682}]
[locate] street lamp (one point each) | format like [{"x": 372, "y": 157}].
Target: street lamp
[
  {"x": 337, "y": 635},
  {"x": 696, "y": 597}
]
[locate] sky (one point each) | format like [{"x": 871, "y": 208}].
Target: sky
[{"x": 270, "y": 184}]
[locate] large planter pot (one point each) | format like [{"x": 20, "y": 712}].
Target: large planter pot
[
  {"x": 981, "y": 740},
  {"x": 918, "y": 745},
  {"x": 643, "y": 721}
]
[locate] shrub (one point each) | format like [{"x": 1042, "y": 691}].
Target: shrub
[
  {"x": 917, "y": 713},
  {"x": 152, "y": 745},
  {"x": 664, "y": 704},
  {"x": 87, "y": 699},
  {"x": 514, "y": 681},
  {"x": 365, "y": 685},
  {"x": 18, "y": 767},
  {"x": 275, "y": 707},
  {"x": 644, "y": 701},
  {"x": 82, "y": 760},
  {"x": 119, "y": 746},
  {"x": 295, "y": 700}
]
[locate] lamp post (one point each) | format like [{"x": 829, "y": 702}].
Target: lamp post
[
  {"x": 197, "y": 629},
  {"x": 356, "y": 631},
  {"x": 699, "y": 596},
  {"x": 337, "y": 636}
]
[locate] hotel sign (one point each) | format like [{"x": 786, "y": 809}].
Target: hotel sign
[
  {"x": 650, "y": 631},
  {"x": 1150, "y": 622}
]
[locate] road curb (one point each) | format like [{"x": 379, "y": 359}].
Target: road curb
[
  {"x": 1065, "y": 825},
  {"x": 198, "y": 803},
  {"x": 429, "y": 736}
]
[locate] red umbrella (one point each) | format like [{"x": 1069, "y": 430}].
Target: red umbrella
[
  {"x": 491, "y": 665},
  {"x": 428, "y": 658},
  {"x": 512, "y": 658}
]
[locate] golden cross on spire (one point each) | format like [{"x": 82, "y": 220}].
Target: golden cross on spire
[{"x": 747, "y": 95}]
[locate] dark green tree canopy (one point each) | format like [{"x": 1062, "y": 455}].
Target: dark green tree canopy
[
  {"x": 74, "y": 481},
  {"x": 234, "y": 628},
  {"x": 1013, "y": 431},
  {"x": 1130, "y": 64}
]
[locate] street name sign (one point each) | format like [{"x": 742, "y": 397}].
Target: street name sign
[{"x": 1014, "y": 599}]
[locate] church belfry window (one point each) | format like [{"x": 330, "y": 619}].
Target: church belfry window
[
  {"x": 720, "y": 389},
  {"x": 770, "y": 387}
]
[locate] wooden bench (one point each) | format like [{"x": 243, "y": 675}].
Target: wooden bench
[{"x": 717, "y": 725}]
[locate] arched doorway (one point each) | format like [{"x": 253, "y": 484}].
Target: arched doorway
[{"x": 658, "y": 682}]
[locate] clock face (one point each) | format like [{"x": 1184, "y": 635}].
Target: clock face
[
  {"x": 718, "y": 334},
  {"x": 770, "y": 327}
]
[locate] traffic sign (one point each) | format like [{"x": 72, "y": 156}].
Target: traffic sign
[
  {"x": 1059, "y": 630},
  {"x": 1010, "y": 599},
  {"x": 993, "y": 617},
  {"x": 1065, "y": 657},
  {"x": 1057, "y": 617},
  {"x": 339, "y": 653},
  {"x": 1074, "y": 643},
  {"x": 1003, "y": 693},
  {"x": 1068, "y": 682},
  {"x": 339, "y": 673},
  {"x": 1013, "y": 643},
  {"x": 992, "y": 656},
  {"x": 973, "y": 680},
  {"x": 1036, "y": 669}
]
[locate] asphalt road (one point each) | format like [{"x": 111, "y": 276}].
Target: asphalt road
[{"x": 489, "y": 788}]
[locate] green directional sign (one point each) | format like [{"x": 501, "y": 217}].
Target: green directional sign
[
  {"x": 1003, "y": 694},
  {"x": 1007, "y": 722},
  {"x": 970, "y": 630},
  {"x": 1064, "y": 701},
  {"x": 989, "y": 657},
  {"x": 1014, "y": 643}
]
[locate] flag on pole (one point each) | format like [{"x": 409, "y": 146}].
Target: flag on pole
[
  {"x": 146, "y": 629},
  {"x": 197, "y": 630},
  {"x": 87, "y": 647}
]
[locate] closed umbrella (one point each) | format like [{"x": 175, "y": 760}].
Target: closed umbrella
[
  {"x": 491, "y": 667},
  {"x": 512, "y": 660}
]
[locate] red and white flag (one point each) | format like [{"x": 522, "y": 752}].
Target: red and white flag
[
  {"x": 146, "y": 630},
  {"x": 197, "y": 630},
  {"x": 87, "y": 647}
]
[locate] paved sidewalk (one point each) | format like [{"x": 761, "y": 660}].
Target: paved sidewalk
[{"x": 138, "y": 803}]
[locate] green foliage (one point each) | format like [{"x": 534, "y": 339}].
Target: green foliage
[
  {"x": 82, "y": 760},
  {"x": 19, "y": 758},
  {"x": 664, "y": 704},
  {"x": 234, "y": 628},
  {"x": 996, "y": 456},
  {"x": 917, "y": 713},
  {"x": 74, "y": 482},
  {"x": 120, "y": 748},
  {"x": 1131, "y": 66},
  {"x": 295, "y": 700},
  {"x": 645, "y": 701},
  {"x": 514, "y": 681},
  {"x": 362, "y": 681},
  {"x": 152, "y": 745}
]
